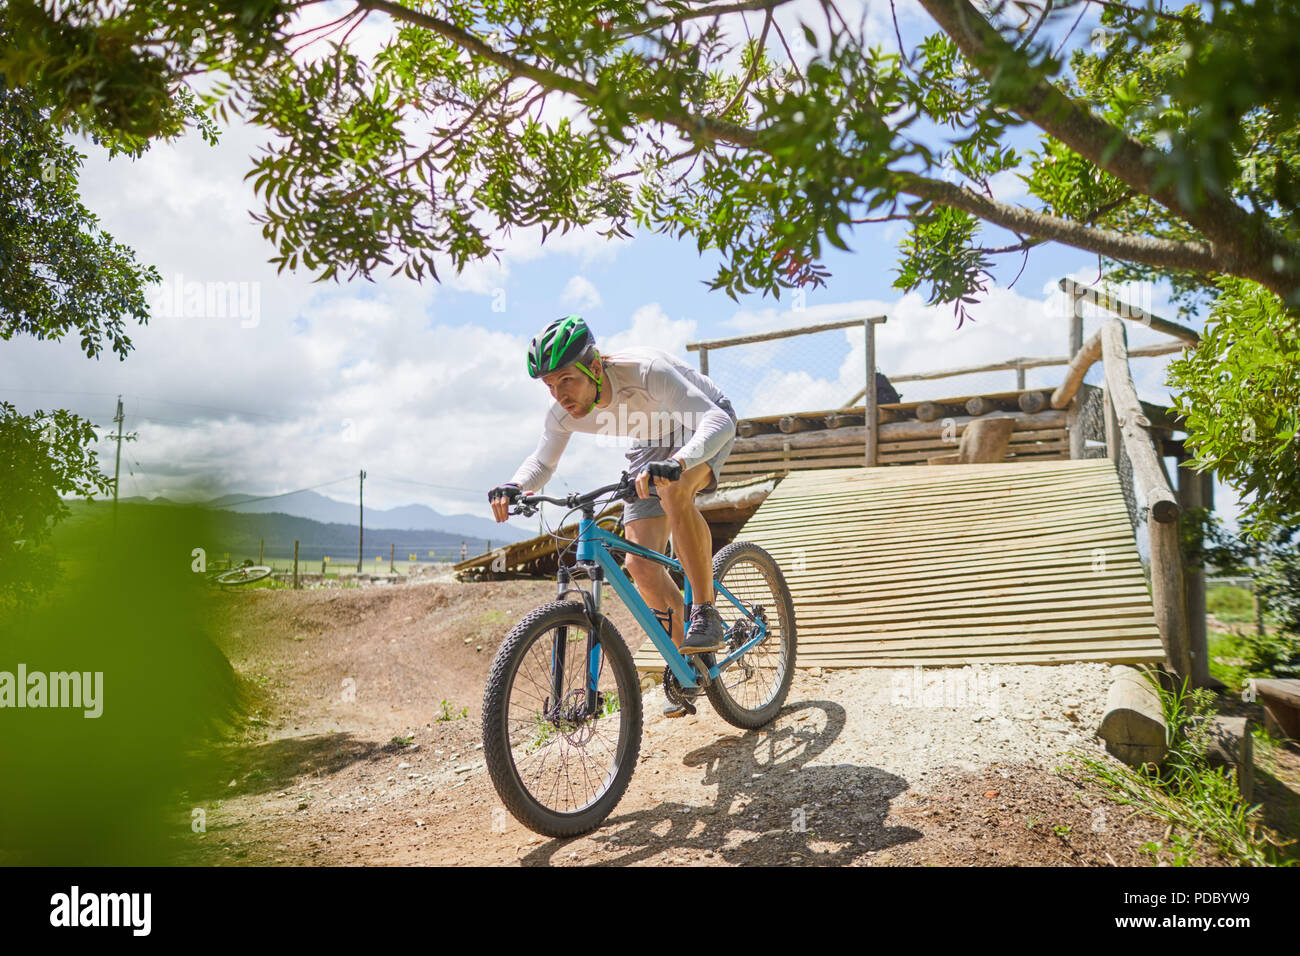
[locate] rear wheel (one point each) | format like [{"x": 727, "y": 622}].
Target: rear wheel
[
  {"x": 558, "y": 770},
  {"x": 244, "y": 575},
  {"x": 751, "y": 692}
]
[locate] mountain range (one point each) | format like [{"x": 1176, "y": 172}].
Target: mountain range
[{"x": 317, "y": 507}]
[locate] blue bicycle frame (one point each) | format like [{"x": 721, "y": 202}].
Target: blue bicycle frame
[{"x": 595, "y": 545}]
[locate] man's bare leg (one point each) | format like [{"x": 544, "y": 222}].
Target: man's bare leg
[
  {"x": 652, "y": 580},
  {"x": 690, "y": 532}
]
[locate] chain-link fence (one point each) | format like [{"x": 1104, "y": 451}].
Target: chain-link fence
[
  {"x": 814, "y": 371},
  {"x": 826, "y": 370}
]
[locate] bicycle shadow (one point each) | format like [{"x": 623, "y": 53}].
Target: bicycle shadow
[
  {"x": 767, "y": 805},
  {"x": 275, "y": 765}
]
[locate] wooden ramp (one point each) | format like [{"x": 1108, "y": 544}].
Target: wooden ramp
[{"x": 1026, "y": 562}]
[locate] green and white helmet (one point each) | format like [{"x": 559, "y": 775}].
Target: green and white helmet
[{"x": 558, "y": 345}]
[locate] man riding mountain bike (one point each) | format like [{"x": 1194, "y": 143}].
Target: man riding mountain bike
[{"x": 685, "y": 428}]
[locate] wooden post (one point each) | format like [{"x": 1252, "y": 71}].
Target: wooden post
[
  {"x": 1191, "y": 488},
  {"x": 1133, "y": 724},
  {"x": 1032, "y": 401},
  {"x": 295, "y": 564},
  {"x": 1259, "y": 608},
  {"x": 872, "y": 412},
  {"x": 1169, "y": 596},
  {"x": 1020, "y": 377},
  {"x": 1076, "y": 324},
  {"x": 1112, "y": 426},
  {"x": 392, "y": 552},
  {"x": 261, "y": 547},
  {"x": 464, "y": 550},
  {"x": 1074, "y": 427},
  {"x": 361, "y": 519},
  {"x": 322, "y": 569},
  {"x": 704, "y": 361}
]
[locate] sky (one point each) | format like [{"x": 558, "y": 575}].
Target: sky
[{"x": 424, "y": 385}]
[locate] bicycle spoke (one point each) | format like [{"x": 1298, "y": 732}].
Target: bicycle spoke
[
  {"x": 565, "y": 762},
  {"x": 749, "y": 583}
]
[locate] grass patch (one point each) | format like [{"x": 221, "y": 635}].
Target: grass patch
[
  {"x": 1230, "y": 603},
  {"x": 1188, "y": 793},
  {"x": 449, "y": 711}
]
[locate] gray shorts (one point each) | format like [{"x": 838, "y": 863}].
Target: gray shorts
[{"x": 641, "y": 456}]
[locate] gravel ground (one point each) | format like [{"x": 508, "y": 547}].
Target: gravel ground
[
  {"x": 965, "y": 718},
  {"x": 359, "y": 762}
]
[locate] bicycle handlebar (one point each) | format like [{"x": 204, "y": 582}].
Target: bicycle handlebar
[{"x": 527, "y": 503}]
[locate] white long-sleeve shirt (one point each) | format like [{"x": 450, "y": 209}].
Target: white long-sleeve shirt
[{"x": 656, "y": 399}]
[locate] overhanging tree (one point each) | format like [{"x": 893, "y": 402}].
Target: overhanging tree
[
  {"x": 60, "y": 274},
  {"x": 1169, "y": 153},
  {"x": 436, "y": 144}
]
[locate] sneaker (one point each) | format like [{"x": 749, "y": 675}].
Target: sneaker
[{"x": 707, "y": 632}]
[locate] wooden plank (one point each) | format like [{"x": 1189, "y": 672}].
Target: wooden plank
[
  {"x": 873, "y": 616},
  {"x": 955, "y": 490},
  {"x": 992, "y": 563},
  {"x": 959, "y": 502}
]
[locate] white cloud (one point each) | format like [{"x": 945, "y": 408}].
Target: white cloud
[
  {"x": 652, "y": 326},
  {"x": 580, "y": 294},
  {"x": 1007, "y": 186}
]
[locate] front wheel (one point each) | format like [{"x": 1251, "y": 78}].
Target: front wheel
[
  {"x": 244, "y": 575},
  {"x": 750, "y": 692},
  {"x": 560, "y": 761}
]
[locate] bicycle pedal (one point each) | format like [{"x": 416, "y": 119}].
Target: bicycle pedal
[{"x": 688, "y": 712}]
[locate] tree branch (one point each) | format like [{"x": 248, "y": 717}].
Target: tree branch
[
  {"x": 1242, "y": 243},
  {"x": 1160, "y": 253},
  {"x": 1238, "y": 244}
]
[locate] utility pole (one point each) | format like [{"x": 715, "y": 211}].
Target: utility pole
[
  {"x": 361, "y": 514},
  {"x": 117, "y": 466}
]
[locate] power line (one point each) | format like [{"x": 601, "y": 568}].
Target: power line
[
  {"x": 427, "y": 484},
  {"x": 147, "y": 398}
]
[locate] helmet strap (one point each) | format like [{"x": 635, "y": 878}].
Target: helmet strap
[{"x": 599, "y": 381}]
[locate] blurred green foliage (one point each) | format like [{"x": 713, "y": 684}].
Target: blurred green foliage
[{"x": 105, "y": 790}]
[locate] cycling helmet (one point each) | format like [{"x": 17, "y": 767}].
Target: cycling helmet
[{"x": 559, "y": 345}]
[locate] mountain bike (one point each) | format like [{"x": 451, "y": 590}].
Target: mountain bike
[{"x": 562, "y": 704}]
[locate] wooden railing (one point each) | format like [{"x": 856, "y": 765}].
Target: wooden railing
[{"x": 1177, "y": 593}]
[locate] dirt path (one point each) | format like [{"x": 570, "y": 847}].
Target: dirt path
[{"x": 351, "y": 763}]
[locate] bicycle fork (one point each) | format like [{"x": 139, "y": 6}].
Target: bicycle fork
[{"x": 559, "y": 646}]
